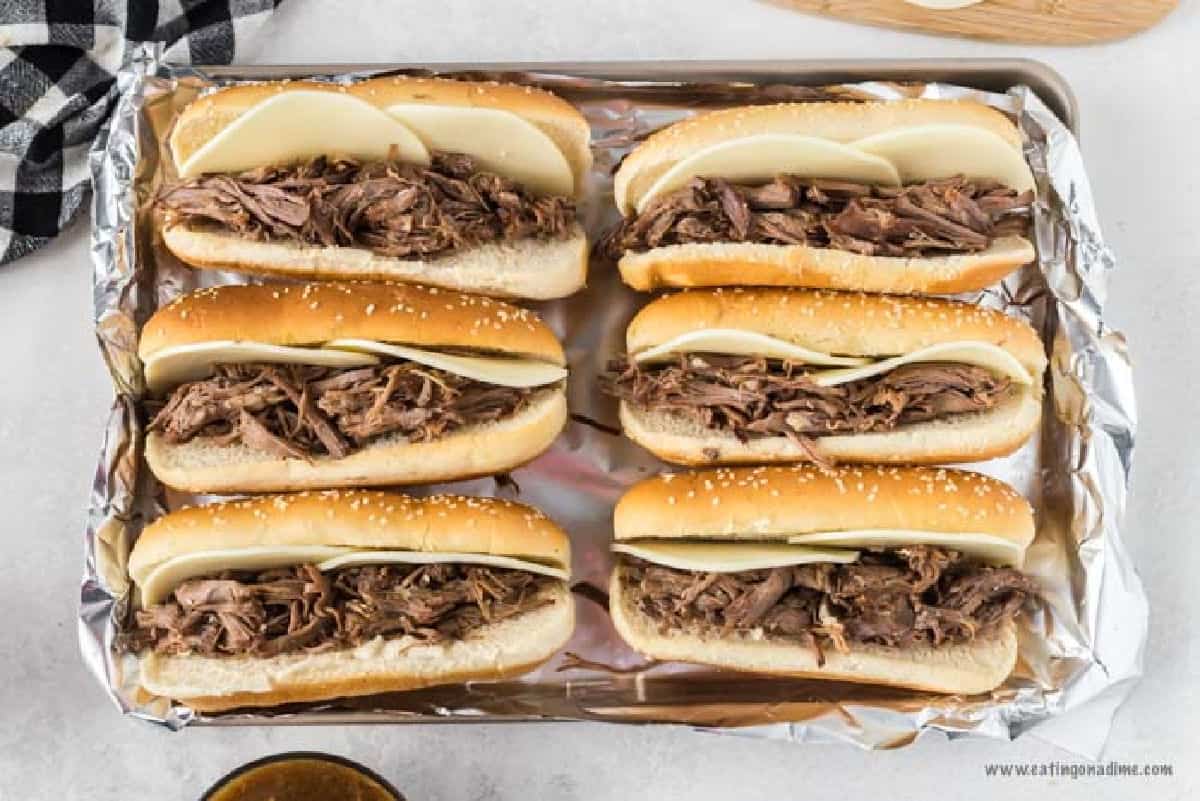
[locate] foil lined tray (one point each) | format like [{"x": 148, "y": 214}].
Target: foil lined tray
[{"x": 1079, "y": 650}]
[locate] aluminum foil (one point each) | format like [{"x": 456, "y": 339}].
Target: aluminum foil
[{"x": 1081, "y": 648}]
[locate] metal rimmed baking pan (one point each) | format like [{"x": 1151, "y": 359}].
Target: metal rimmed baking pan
[{"x": 1084, "y": 642}]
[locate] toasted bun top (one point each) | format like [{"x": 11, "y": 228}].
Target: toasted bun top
[
  {"x": 842, "y": 122},
  {"x": 844, "y": 323},
  {"x": 769, "y": 503},
  {"x": 358, "y": 519},
  {"x": 555, "y": 117},
  {"x": 309, "y": 314}
]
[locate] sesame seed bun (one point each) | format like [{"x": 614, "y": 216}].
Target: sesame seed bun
[
  {"x": 468, "y": 452},
  {"x": 310, "y": 314},
  {"x": 750, "y": 264},
  {"x": 836, "y": 122},
  {"x": 975, "y": 667},
  {"x": 845, "y": 323},
  {"x": 496, "y": 652},
  {"x": 849, "y": 324},
  {"x": 942, "y": 506},
  {"x": 772, "y": 503},
  {"x": 368, "y": 520},
  {"x": 357, "y": 519},
  {"x": 557, "y": 144},
  {"x": 974, "y": 437},
  {"x": 753, "y": 264},
  {"x": 536, "y": 269},
  {"x": 559, "y": 120}
]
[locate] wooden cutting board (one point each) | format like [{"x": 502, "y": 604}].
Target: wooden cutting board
[{"x": 1024, "y": 21}]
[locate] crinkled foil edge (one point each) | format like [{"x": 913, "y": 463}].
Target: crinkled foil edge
[{"x": 1086, "y": 643}]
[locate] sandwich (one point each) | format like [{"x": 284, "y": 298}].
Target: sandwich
[
  {"x": 321, "y": 595},
  {"x": 788, "y": 375},
  {"x": 302, "y": 386},
  {"x": 910, "y": 196},
  {"x": 905, "y": 576},
  {"x": 456, "y": 184}
]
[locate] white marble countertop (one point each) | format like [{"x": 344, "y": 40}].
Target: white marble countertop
[{"x": 59, "y": 737}]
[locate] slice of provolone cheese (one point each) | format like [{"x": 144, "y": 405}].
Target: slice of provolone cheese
[
  {"x": 172, "y": 366},
  {"x": 294, "y": 126},
  {"x": 929, "y": 152},
  {"x": 166, "y": 576},
  {"x": 980, "y": 354},
  {"x": 760, "y": 158},
  {"x": 498, "y": 140},
  {"x": 736, "y": 342},
  {"x": 500, "y": 371},
  {"x": 985, "y": 547},
  {"x": 427, "y": 558},
  {"x": 729, "y": 557}
]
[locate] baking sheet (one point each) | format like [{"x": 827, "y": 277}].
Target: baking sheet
[{"x": 1083, "y": 645}]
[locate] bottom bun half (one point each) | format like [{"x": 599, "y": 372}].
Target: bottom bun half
[
  {"x": 530, "y": 268},
  {"x": 481, "y": 450},
  {"x": 750, "y": 264},
  {"x": 499, "y": 651},
  {"x": 977, "y": 667},
  {"x": 965, "y": 438}
]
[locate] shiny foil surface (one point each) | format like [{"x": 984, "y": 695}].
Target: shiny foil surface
[{"x": 1080, "y": 648}]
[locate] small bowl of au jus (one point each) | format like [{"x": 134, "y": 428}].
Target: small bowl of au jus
[{"x": 302, "y": 776}]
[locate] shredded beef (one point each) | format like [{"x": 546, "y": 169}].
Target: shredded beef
[
  {"x": 286, "y": 610},
  {"x": 391, "y": 208},
  {"x": 300, "y": 411},
  {"x": 904, "y": 597},
  {"x": 952, "y": 215},
  {"x": 754, "y": 397}
]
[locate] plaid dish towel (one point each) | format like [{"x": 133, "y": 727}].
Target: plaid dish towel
[{"x": 58, "y": 65}]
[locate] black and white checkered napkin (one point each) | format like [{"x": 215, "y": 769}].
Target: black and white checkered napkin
[{"x": 58, "y": 66}]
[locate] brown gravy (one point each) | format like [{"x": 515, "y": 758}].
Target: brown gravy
[{"x": 302, "y": 779}]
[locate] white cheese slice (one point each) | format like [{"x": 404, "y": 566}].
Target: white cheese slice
[
  {"x": 294, "y": 126},
  {"x": 736, "y": 342},
  {"x": 499, "y": 141},
  {"x": 166, "y": 576},
  {"x": 929, "y": 152},
  {"x": 760, "y": 158},
  {"x": 729, "y": 557},
  {"x": 501, "y": 371},
  {"x": 980, "y": 354},
  {"x": 428, "y": 558},
  {"x": 173, "y": 366},
  {"x": 985, "y": 547}
]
